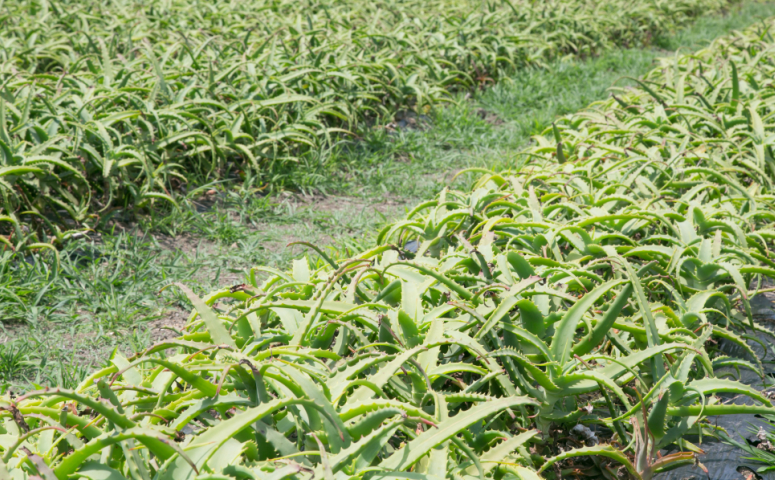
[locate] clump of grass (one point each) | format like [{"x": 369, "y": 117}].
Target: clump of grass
[{"x": 14, "y": 360}]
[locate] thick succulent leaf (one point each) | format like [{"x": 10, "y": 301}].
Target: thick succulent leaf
[
  {"x": 421, "y": 445},
  {"x": 602, "y": 450},
  {"x": 561, "y": 347}
]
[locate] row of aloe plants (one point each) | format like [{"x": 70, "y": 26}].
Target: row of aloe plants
[
  {"x": 584, "y": 292},
  {"x": 113, "y": 106}
]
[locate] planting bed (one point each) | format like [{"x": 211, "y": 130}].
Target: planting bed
[{"x": 112, "y": 109}]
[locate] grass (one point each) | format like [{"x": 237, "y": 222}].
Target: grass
[{"x": 106, "y": 295}]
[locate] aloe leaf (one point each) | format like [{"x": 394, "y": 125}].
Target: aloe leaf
[
  {"x": 529, "y": 338},
  {"x": 403, "y": 476},
  {"x": 98, "y": 471},
  {"x": 735, "y": 84},
  {"x": 601, "y": 450},
  {"x": 207, "y": 443},
  {"x": 204, "y": 405},
  {"x": 421, "y": 445},
  {"x": 155, "y": 441},
  {"x": 384, "y": 375},
  {"x": 497, "y": 454},
  {"x": 218, "y": 332},
  {"x": 465, "y": 294},
  {"x": 652, "y": 335},
  {"x": 718, "y": 385},
  {"x": 365, "y": 449},
  {"x": 338, "y": 436},
  {"x": 566, "y": 328},
  {"x": 496, "y": 316},
  {"x": 525, "y": 473},
  {"x": 540, "y": 377},
  {"x": 598, "y": 333}
]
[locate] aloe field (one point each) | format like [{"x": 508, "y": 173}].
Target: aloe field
[
  {"x": 581, "y": 307},
  {"x": 115, "y": 109}
]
